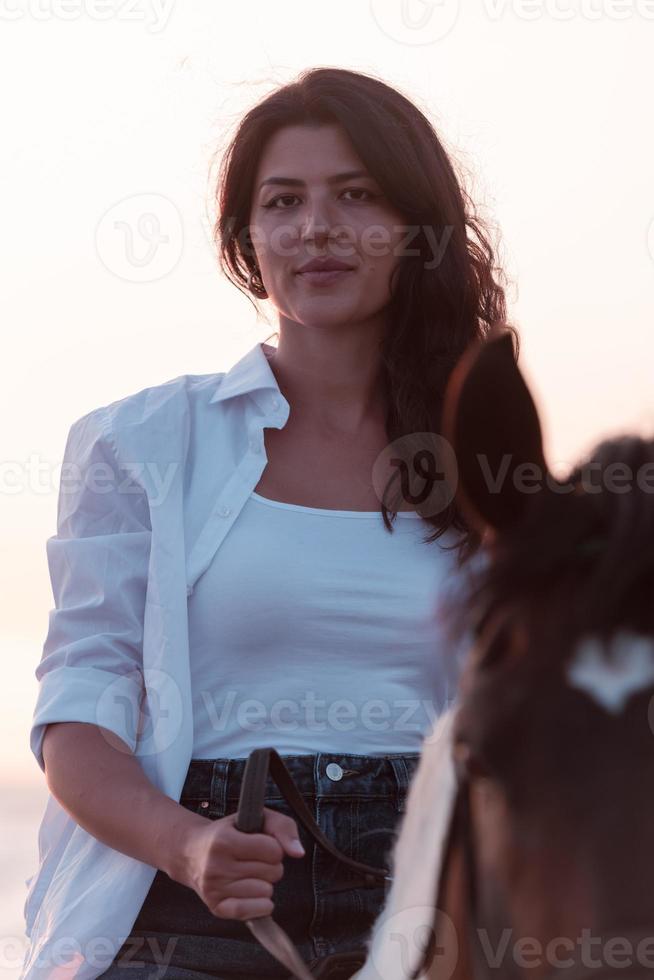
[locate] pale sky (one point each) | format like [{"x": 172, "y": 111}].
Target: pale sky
[{"x": 113, "y": 110}]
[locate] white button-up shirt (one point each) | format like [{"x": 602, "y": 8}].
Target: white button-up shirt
[
  {"x": 150, "y": 486},
  {"x": 144, "y": 504}
]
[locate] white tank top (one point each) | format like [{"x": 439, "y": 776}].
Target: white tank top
[{"x": 316, "y": 630}]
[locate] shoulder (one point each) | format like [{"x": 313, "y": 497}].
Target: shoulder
[{"x": 162, "y": 407}]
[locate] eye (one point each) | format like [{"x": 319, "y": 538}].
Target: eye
[
  {"x": 361, "y": 190},
  {"x": 280, "y": 197},
  {"x": 348, "y": 190}
]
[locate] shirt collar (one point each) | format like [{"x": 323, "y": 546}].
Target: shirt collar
[{"x": 251, "y": 374}]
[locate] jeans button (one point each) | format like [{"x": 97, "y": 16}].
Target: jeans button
[{"x": 334, "y": 771}]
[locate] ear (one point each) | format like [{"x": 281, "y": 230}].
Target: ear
[{"x": 492, "y": 424}]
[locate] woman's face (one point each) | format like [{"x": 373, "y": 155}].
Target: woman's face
[{"x": 312, "y": 211}]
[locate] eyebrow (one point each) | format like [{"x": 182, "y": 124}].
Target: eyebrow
[{"x": 296, "y": 182}]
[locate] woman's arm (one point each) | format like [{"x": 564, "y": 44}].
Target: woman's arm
[
  {"x": 95, "y": 777},
  {"x": 91, "y": 689}
]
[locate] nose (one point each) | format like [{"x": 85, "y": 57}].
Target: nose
[
  {"x": 321, "y": 227},
  {"x": 316, "y": 223},
  {"x": 320, "y": 216}
]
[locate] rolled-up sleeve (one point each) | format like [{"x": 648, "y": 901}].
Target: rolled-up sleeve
[{"x": 91, "y": 668}]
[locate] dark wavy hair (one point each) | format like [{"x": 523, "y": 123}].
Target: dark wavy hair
[{"x": 434, "y": 313}]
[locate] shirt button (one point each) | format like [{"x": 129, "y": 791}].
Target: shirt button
[
  {"x": 204, "y": 804},
  {"x": 334, "y": 771},
  {"x": 275, "y": 403},
  {"x": 224, "y": 511}
]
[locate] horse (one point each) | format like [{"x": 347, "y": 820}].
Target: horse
[{"x": 525, "y": 849}]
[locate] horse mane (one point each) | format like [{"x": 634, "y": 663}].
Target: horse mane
[{"x": 577, "y": 563}]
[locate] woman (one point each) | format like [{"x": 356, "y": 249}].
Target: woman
[{"x": 327, "y": 646}]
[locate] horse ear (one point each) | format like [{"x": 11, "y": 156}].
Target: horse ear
[{"x": 492, "y": 424}]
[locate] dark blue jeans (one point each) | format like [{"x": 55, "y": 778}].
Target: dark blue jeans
[{"x": 357, "y": 801}]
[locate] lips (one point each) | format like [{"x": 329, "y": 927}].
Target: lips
[{"x": 324, "y": 265}]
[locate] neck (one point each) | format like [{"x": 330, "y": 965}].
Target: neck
[{"x": 332, "y": 377}]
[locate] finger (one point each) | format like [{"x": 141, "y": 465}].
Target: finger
[
  {"x": 255, "y": 869},
  {"x": 243, "y": 908},
  {"x": 248, "y": 888},
  {"x": 253, "y": 847},
  {"x": 284, "y": 829}
]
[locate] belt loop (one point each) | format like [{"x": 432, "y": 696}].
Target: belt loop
[
  {"x": 219, "y": 780},
  {"x": 401, "y": 777}
]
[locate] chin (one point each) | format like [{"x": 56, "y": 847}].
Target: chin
[{"x": 318, "y": 315}]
